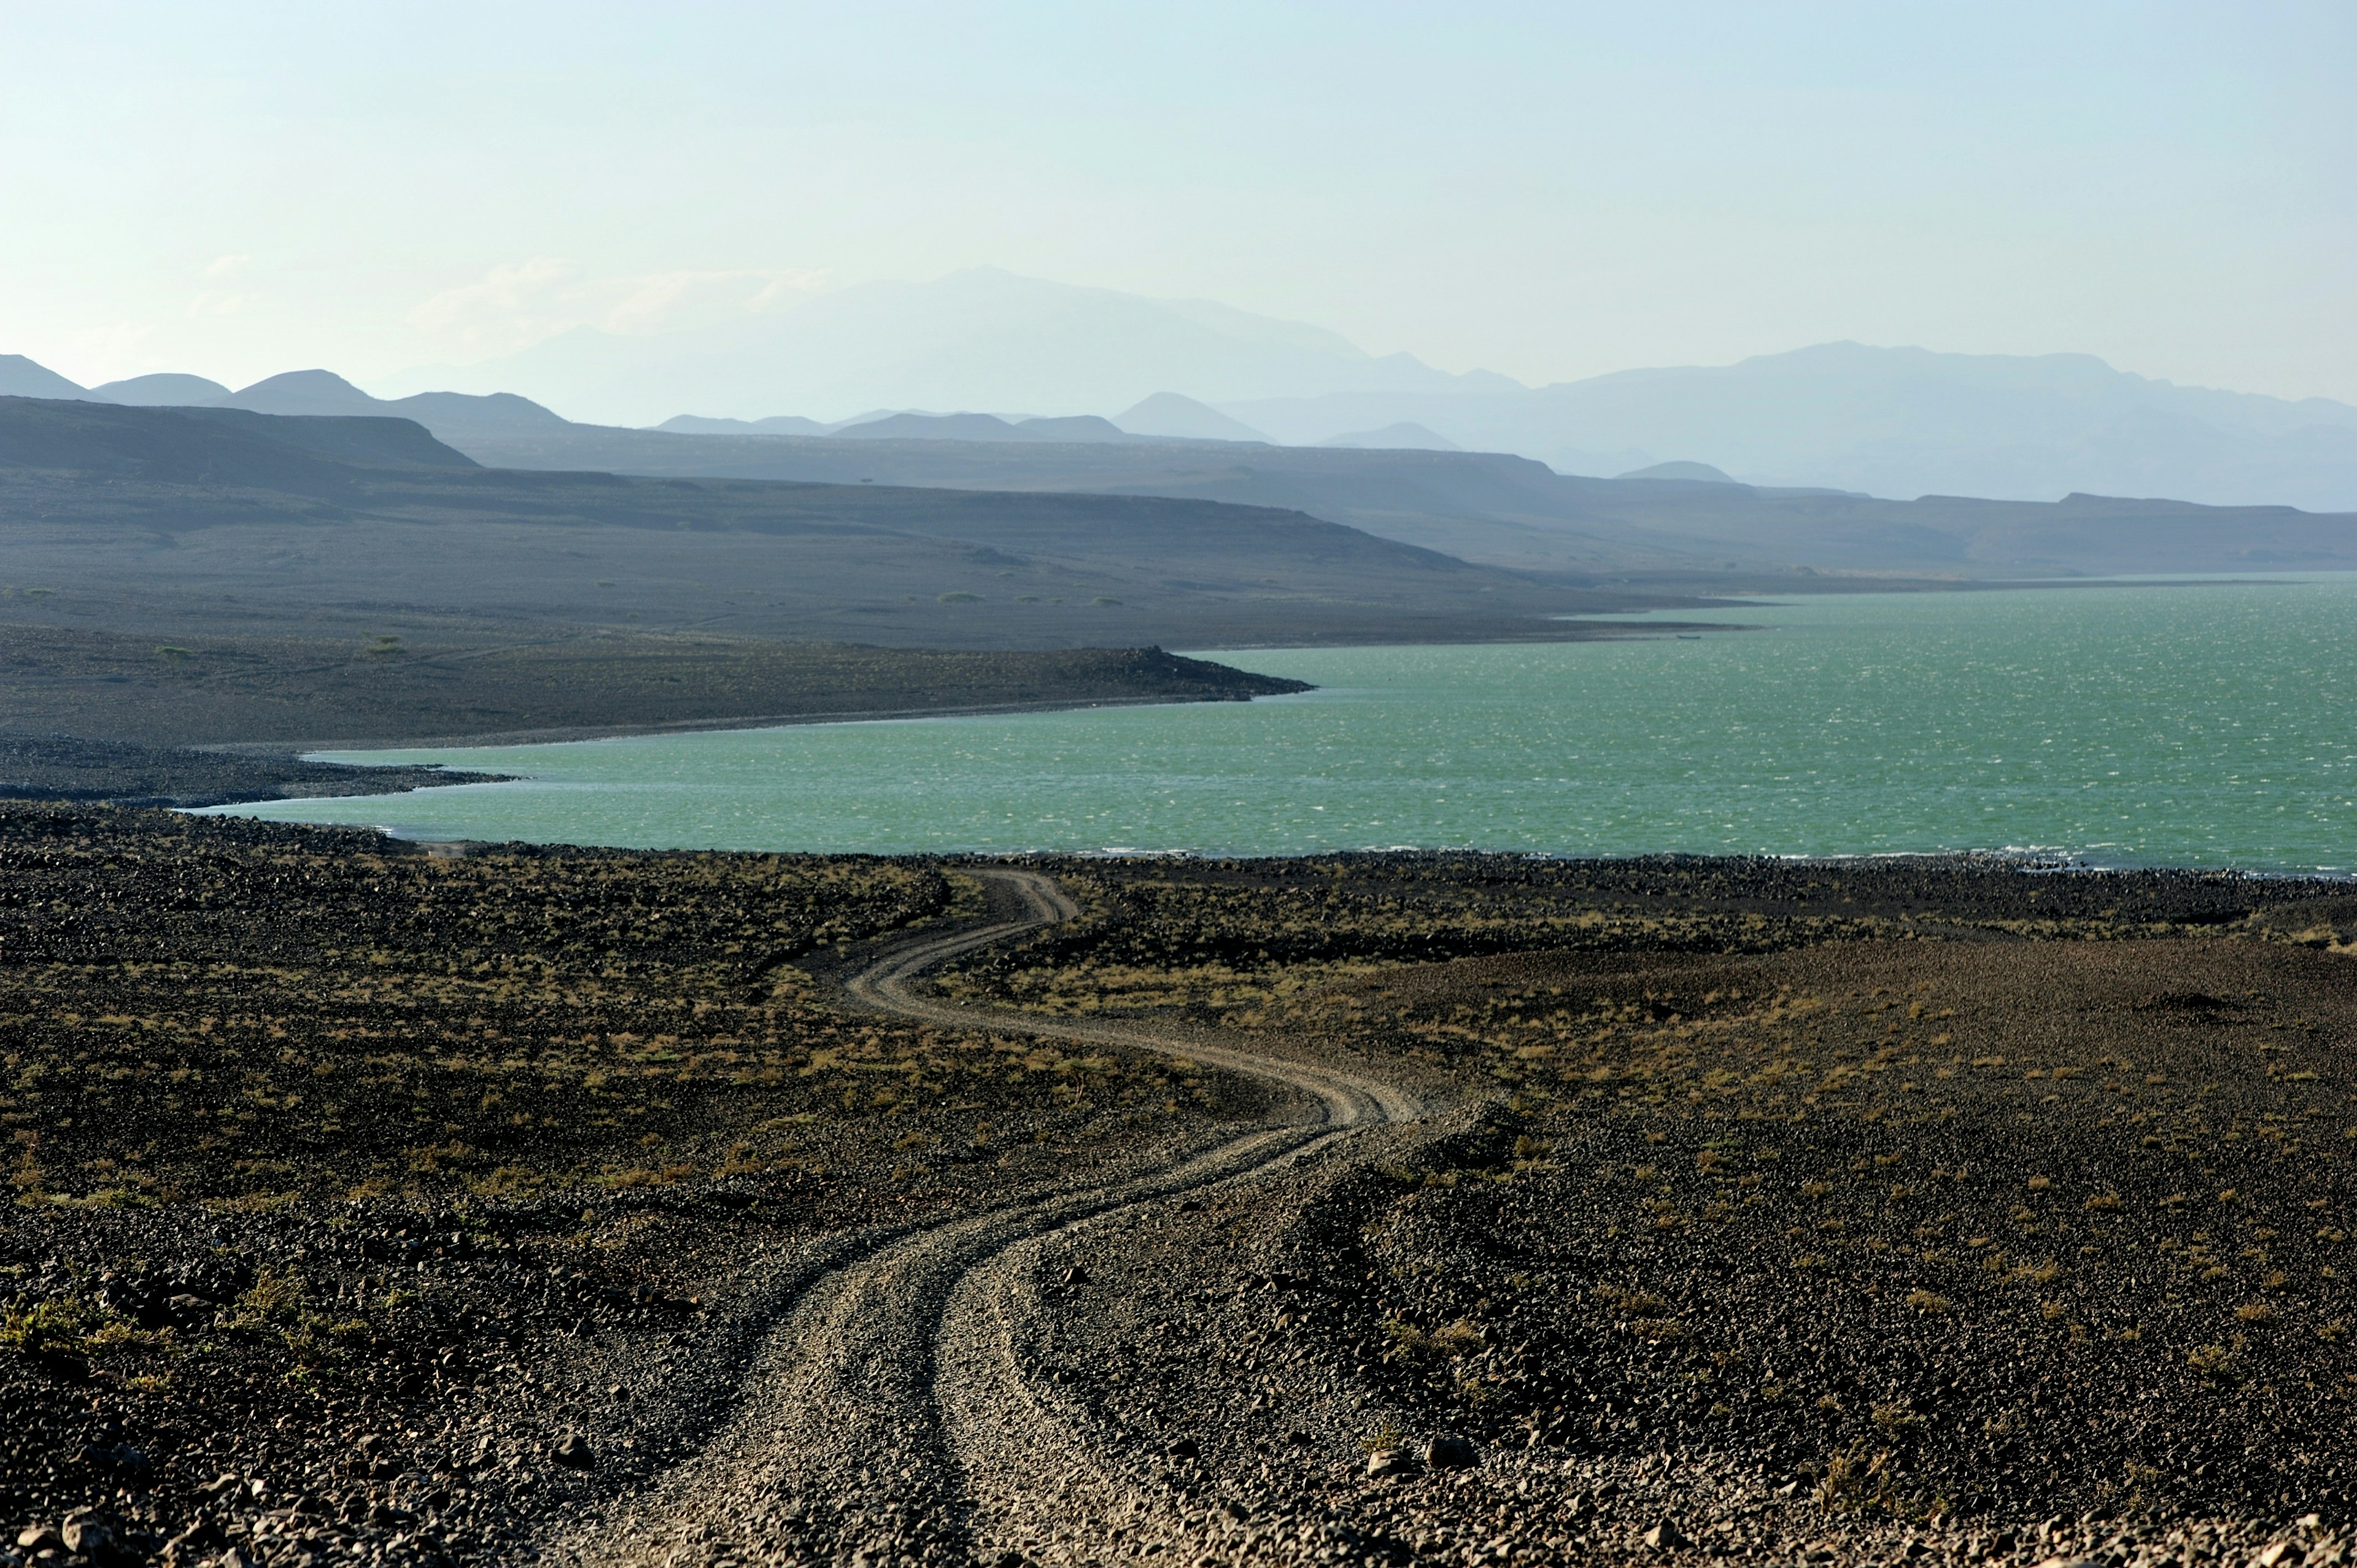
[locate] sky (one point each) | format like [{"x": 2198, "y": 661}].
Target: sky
[{"x": 1547, "y": 190}]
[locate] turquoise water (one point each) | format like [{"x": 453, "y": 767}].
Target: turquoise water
[{"x": 2149, "y": 724}]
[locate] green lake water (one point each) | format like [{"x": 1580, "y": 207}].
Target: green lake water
[{"x": 2171, "y": 724}]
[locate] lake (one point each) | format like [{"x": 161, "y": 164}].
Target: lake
[{"x": 2173, "y": 725}]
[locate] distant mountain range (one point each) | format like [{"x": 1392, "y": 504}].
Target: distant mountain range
[
  {"x": 912, "y": 426},
  {"x": 978, "y": 339},
  {"x": 1682, "y": 518},
  {"x": 1890, "y": 422},
  {"x": 297, "y": 392},
  {"x": 1682, "y": 521},
  {"x": 1895, "y": 423}
]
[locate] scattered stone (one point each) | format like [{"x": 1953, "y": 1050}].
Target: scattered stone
[
  {"x": 197, "y": 1540},
  {"x": 1185, "y": 1449},
  {"x": 1450, "y": 1453},
  {"x": 34, "y": 1539},
  {"x": 573, "y": 1451},
  {"x": 1386, "y": 1462},
  {"x": 89, "y": 1536},
  {"x": 1076, "y": 1275},
  {"x": 1666, "y": 1537}
]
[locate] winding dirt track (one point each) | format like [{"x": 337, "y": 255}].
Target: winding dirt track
[{"x": 888, "y": 1418}]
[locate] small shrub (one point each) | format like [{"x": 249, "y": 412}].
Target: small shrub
[
  {"x": 2210, "y": 1360},
  {"x": 272, "y": 1297},
  {"x": 1896, "y": 1420},
  {"x": 1853, "y": 1483}
]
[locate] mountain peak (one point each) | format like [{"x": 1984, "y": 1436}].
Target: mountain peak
[
  {"x": 302, "y": 392},
  {"x": 20, "y": 377},
  {"x": 163, "y": 389},
  {"x": 1169, "y": 414},
  {"x": 1691, "y": 473},
  {"x": 1407, "y": 435}
]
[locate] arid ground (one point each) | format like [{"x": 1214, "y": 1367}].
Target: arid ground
[{"x": 374, "y": 1205}]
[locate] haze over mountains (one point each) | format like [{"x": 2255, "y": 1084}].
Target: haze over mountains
[
  {"x": 1892, "y": 422},
  {"x": 981, "y": 338},
  {"x": 1057, "y": 364},
  {"x": 1681, "y": 526}
]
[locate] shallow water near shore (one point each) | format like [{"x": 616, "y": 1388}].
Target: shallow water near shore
[{"x": 2211, "y": 724}]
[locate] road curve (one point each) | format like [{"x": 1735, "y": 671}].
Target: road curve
[
  {"x": 886, "y": 1418},
  {"x": 1350, "y": 1101}
]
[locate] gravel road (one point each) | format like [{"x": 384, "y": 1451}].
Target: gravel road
[{"x": 891, "y": 1418}]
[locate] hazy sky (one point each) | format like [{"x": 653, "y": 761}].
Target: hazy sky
[{"x": 1550, "y": 190}]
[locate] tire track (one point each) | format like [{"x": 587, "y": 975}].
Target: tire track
[{"x": 886, "y": 1418}]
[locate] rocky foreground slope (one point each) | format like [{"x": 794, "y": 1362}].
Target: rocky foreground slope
[{"x": 588, "y": 1206}]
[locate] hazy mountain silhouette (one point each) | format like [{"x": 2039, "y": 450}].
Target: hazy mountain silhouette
[
  {"x": 1694, "y": 473},
  {"x": 1894, "y": 422},
  {"x": 445, "y": 413},
  {"x": 1500, "y": 510},
  {"x": 20, "y": 377},
  {"x": 1169, "y": 414},
  {"x": 776, "y": 424},
  {"x": 1405, "y": 436},
  {"x": 294, "y": 393},
  {"x": 302, "y": 392},
  {"x": 980, "y": 427},
  {"x": 163, "y": 389},
  {"x": 930, "y": 427},
  {"x": 980, "y": 338}
]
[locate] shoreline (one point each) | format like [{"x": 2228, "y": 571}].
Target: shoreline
[
  {"x": 2326, "y": 884},
  {"x": 60, "y": 766},
  {"x": 567, "y": 733}
]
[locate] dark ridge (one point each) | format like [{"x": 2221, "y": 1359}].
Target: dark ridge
[{"x": 212, "y": 446}]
